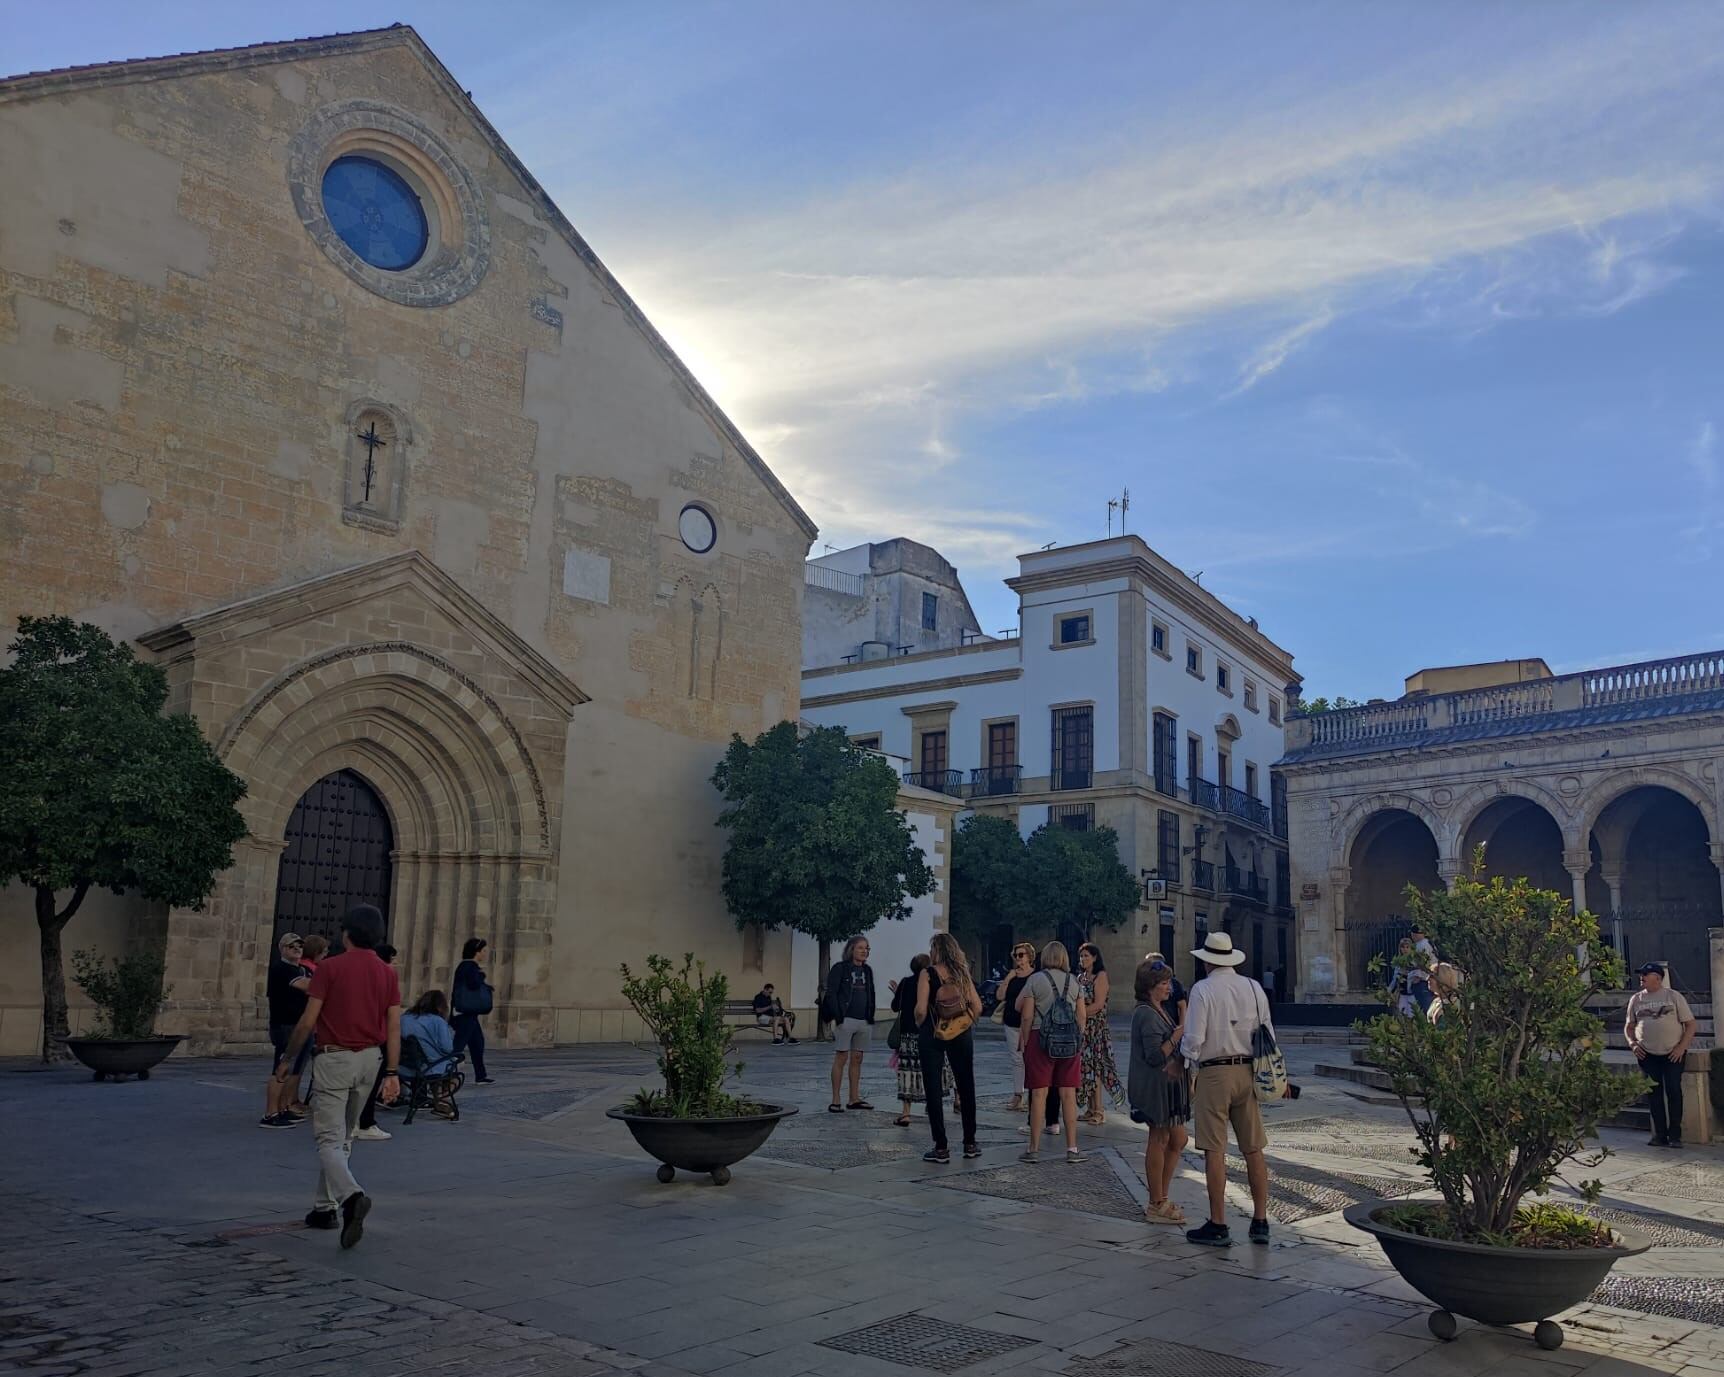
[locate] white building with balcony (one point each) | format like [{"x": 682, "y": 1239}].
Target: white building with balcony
[{"x": 1132, "y": 698}]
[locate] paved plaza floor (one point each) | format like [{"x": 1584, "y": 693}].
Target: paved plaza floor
[{"x": 154, "y": 1229}]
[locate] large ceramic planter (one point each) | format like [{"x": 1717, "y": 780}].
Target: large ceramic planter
[
  {"x": 118, "y": 1057},
  {"x": 704, "y": 1145},
  {"x": 1493, "y": 1285}
]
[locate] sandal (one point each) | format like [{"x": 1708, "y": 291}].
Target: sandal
[
  {"x": 1163, "y": 1212},
  {"x": 903, "y": 1121},
  {"x": 835, "y": 1108},
  {"x": 859, "y": 1104}
]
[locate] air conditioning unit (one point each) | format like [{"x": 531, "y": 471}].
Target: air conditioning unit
[{"x": 1155, "y": 889}]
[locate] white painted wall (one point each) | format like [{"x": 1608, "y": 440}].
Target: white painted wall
[{"x": 893, "y": 942}]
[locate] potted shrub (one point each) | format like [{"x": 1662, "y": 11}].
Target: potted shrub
[
  {"x": 1506, "y": 1087},
  {"x": 692, "y": 1123},
  {"x": 127, "y": 992}
]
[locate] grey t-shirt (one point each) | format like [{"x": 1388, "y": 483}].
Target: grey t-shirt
[
  {"x": 1042, "y": 989},
  {"x": 1655, "y": 1020}
]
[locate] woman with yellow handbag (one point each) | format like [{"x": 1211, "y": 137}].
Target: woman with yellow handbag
[{"x": 947, "y": 1007}]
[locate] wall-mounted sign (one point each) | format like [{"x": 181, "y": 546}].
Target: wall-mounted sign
[{"x": 1309, "y": 891}]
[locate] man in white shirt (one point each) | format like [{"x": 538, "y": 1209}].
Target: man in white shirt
[
  {"x": 1225, "y": 1009},
  {"x": 1659, "y": 1026},
  {"x": 1419, "y": 975}
]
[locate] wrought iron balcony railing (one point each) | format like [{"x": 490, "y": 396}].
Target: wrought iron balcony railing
[
  {"x": 940, "y": 781},
  {"x": 1072, "y": 777},
  {"x": 1204, "y": 794},
  {"x": 1245, "y": 884},
  {"x": 1203, "y": 875},
  {"x": 993, "y": 780},
  {"x": 1236, "y": 803}
]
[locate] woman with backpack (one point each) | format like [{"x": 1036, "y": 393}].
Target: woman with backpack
[
  {"x": 947, "y": 1007},
  {"x": 1051, "y": 1035}
]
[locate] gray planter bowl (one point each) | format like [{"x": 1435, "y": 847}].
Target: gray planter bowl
[
  {"x": 703, "y": 1145},
  {"x": 1493, "y": 1285},
  {"x": 119, "y": 1057}
]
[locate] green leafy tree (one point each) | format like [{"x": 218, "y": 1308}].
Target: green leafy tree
[
  {"x": 1077, "y": 877},
  {"x": 1312, "y": 706},
  {"x": 817, "y": 843},
  {"x": 988, "y": 878},
  {"x": 101, "y": 790},
  {"x": 1509, "y": 1084}
]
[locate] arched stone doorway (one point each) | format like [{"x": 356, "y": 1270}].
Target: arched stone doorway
[
  {"x": 1653, "y": 860},
  {"x": 337, "y": 854},
  {"x": 1519, "y": 838},
  {"x": 1393, "y": 849}
]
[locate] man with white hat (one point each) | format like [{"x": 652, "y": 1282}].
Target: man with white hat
[{"x": 1226, "y": 1008}]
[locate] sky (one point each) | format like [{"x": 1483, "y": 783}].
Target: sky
[{"x": 1401, "y": 323}]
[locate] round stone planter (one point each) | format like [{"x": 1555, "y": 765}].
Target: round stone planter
[
  {"x": 704, "y": 1145},
  {"x": 121, "y": 1057},
  {"x": 1493, "y": 1285}
]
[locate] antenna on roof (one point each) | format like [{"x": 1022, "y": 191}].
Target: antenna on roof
[
  {"x": 1196, "y": 576},
  {"x": 1120, "y": 504},
  {"x": 830, "y": 548},
  {"x": 1050, "y": 545}
]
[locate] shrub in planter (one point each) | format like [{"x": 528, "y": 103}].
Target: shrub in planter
[
  {"x": 692, "y": 1123},
  {"x": 1505, "y": 1088},
  {"x": 126, "y": 990}
]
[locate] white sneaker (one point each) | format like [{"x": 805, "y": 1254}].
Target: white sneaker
[{"x": 373, "y": 1135}]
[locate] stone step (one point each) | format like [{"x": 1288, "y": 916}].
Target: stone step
[
  {"x": 1374, "y": 1077},
  {"x": 1611, "y": 1003},
  {"x": 1703, "y": 1040},
  {"x": 1317, "y": 1037}
]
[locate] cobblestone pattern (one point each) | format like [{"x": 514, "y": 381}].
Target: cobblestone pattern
[
  {"x": 1297, "y": 1192},
  {"x": 1091, "y": 1186},
  {"x": 1678, "y": 1298},
  {"x": 1663, "y": 1230},
  {"x": 84, "y": 1294},
  {"x": 1684, "y": 1181}
]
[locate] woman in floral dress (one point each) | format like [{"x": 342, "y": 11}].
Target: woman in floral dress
[
  {"x": 911, "y": 1091},
  {"x": 1097, "y": 1053}
]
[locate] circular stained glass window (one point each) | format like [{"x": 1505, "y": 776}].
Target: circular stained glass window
[
  {"x": 376, "y": 213},
  {"x": 697, "y": 529}
]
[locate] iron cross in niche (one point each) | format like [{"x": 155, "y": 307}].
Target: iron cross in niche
[{"x": 371, "y": 440}]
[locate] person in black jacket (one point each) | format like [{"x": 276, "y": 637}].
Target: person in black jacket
[
  {"x": 850, "y": 1005},
  {"x": 471, "y": 998}
]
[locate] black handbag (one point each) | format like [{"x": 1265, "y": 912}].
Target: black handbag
[{"x": 473, "y": 1001}]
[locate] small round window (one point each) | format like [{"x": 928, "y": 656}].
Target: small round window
[
  {"x": 697, "y": 529},
  {"x": 376, "y": 213}
]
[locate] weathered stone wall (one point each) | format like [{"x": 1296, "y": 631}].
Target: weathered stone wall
[{"x": 179, "y": 361}]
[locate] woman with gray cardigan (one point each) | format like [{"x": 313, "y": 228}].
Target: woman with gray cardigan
[{"x": 1156, "y": 1086}]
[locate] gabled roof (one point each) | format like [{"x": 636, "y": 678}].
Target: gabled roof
[
  {"x": 67, "y": 79},
  {"x": 327, "y": 593}
]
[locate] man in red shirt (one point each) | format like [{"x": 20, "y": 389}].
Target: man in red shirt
[{"x": 354, "y": 1007}]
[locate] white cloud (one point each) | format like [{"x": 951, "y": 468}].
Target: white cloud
[
  {"x": 1276, "y": 350},
  {"x": 1703, "y": 457}
]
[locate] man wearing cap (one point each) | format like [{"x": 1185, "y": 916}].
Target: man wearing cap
[
  {"x": 354, "y": 1006},
  {"x": 286, "y": 986},
  {"x": 1225, "y": 1009},
  {"x": 1659, "y": 1026}
]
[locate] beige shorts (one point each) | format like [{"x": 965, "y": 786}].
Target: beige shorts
[
  {"x": 852, "y": 1035},
  {"x": 1226, "y": 1095}
]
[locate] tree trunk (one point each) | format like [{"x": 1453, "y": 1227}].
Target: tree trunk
[
  {"x": 825, "y": 960},
  {"x": 49, "y": 924}
]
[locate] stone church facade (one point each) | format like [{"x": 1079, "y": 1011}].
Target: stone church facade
[
  {"x": 308, "y": 388},
  {"x": 1606, "y": 786}
]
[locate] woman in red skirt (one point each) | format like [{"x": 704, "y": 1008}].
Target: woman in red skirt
[{"x": 1053, "y": 983}]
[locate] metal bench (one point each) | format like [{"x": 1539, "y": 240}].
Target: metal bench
[
  {"x": 426, "y": 1091},
  {"x": 741, "y": 1012}
]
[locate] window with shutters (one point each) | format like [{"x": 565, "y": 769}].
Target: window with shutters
[
  {"x": 1167, "y": 844},
  {"x": 933, "y": 756},
  {"x": 1166, "y": 754},
  {"x": 1074, "y": 748}
]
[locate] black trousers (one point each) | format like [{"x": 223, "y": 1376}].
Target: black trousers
[
  {"x": 1665, "y": 1096},
  {"x": 961, "y": 1052},
  {"x": 470, "y": 1038}
]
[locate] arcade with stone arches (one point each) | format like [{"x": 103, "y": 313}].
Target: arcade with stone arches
[{"x": 1641, "y": 851}]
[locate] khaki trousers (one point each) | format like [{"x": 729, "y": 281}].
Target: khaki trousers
[{"x": 341, "y": 1086}]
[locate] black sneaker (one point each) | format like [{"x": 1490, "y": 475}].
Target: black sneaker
[
  {"x": 972, "y": 1150},
  {"x": 937, "y": 1155},
  {"x": 276, "y": 1121},
  {"x": 1259, "y": 1232},
  {"x": 353, "y": 1212},
  {"x": 322, "y": 1219},
  {"x": 793, "y": 1041},
  {"x": 1674, "y": 1142},
  {"x": 1210, "y": 1235},
  {"x": 1656, "y": 1141}
]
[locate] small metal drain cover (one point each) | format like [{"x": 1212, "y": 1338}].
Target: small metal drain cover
[
  {"x": 1090, "y": 1186},
  {"x": 921, "y": 1341},
  {"x": 1162, "y": 1359}
]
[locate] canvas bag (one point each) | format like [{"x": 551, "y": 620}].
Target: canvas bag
[{"x": 1268, "y": 1066}]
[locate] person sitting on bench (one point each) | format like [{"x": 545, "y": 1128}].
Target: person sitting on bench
[
  {"x": 769, "y": 1012},
  {"x": 428, "y": 1022}
]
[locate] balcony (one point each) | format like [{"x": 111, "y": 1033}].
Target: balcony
[
  {"x": 1071, "y": 777},
  {"x": 1236, "y": 803},
  {"x": 1204, "y": 794},
  {"x": 1245, "y": 884},
  {"x": 1203, "y": 875},
  {"x": 940, "y": 781},
  {"x": 993, "y": 780}
]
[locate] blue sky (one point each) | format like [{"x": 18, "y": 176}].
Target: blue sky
[{"x": 1401, "y": 322}]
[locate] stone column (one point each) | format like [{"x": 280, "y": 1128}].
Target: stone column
[
  {"x": 1578, "y": 862},
  {"x": 1718, "y": 860},
  {"x": 1340, "y": 878},
  {"x": 1715, "y": 943},
  {"x": 1450, "y": 869}
]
